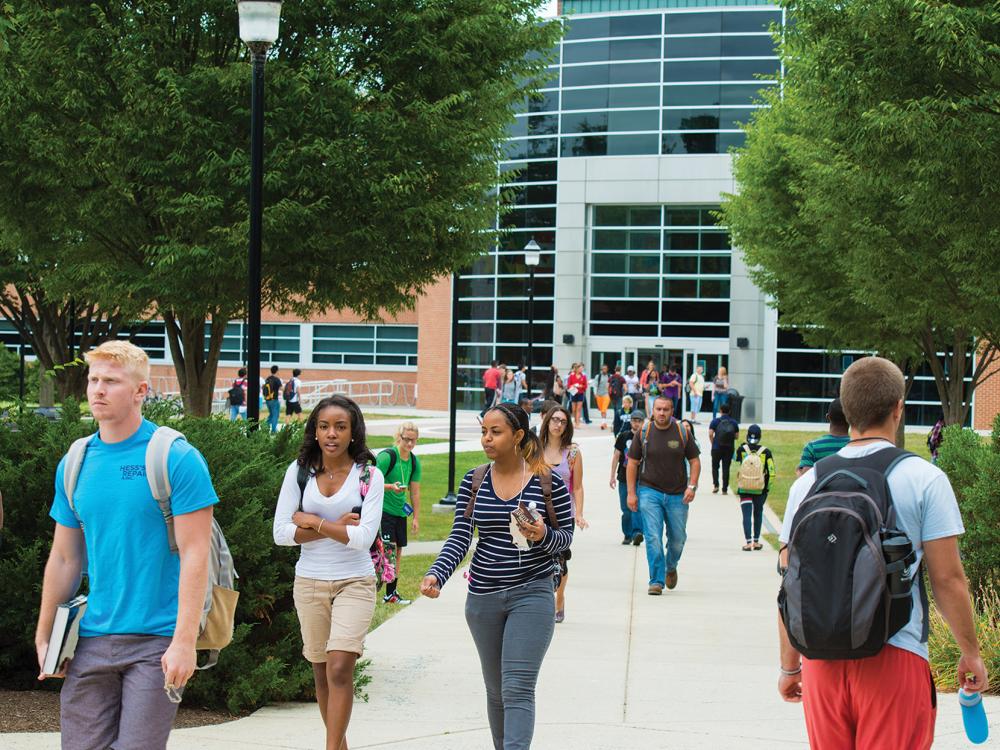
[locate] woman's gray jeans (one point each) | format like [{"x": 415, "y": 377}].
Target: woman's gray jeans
[{"x": 512, "y": 630}]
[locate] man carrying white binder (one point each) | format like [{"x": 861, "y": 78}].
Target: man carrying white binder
[{"x": 136, "y": 649}]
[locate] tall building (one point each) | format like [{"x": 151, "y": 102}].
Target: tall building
[{"x": 616, "y": 170}]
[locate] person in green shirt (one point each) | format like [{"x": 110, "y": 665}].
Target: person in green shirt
[
  {"x": 401, "y": 469},
  {"x": 826, "y": 445}
]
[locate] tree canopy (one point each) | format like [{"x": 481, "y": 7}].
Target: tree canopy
[
  {"x": 867, "y": 189},
  {"x": 127, "y": 125}
]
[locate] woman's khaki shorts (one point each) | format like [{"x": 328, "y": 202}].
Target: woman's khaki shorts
[{"x": 333, "y": 615}]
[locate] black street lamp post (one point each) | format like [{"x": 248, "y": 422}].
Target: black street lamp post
[
  {"x": 532, "y": 257},
  {"x": 451, "y": 498},
  {"x": 259, "y": 21}
]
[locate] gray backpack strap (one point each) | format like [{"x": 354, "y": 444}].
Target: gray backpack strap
[
  {"x": 158, "y": 475},
  {"x": 71, "y": 471}
]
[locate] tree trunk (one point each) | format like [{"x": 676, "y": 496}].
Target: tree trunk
[
  {"x": 196, "y": 369},
  {"x": 46, "y": 387}
]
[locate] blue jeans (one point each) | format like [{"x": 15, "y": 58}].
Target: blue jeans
[
  {"x": 512, "y": 630},
  {"x": 718, "y": 399},
  {"x": 659, "y": 509},
  {"x": 631, "y": 520},
  {"x": 234, "y": 413},
  {"x": 273, "y": 414}
]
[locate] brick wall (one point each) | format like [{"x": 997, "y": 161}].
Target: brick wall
[
  {"x": 434, "y": 346},
  {"x": 987, "y": 401}
]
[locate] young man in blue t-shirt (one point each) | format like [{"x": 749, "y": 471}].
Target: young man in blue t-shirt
[{"x": 137, "y": 637}]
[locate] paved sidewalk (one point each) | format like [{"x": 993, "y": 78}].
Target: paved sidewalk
[{"x": 694, "y": 668}]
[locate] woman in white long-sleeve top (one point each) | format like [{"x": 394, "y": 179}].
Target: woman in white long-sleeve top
[
  {"x": 510, "y": 609},
  {"x": 331, "y": 504}
]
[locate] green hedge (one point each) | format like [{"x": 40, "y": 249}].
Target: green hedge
[
  {"x": 264, "y": 662},
  {"x": 973, "y": 466}
]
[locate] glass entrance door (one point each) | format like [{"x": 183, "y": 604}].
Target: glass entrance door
[{"x": 710, "y": 364}]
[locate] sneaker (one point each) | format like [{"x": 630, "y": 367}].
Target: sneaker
[
  {"x": 626, "y": 540},
  {"x": 715, "y": 490},
  {"x": 725, "y": 492},
  {"x": 671, "y": 579},
  {"x": 395, "y": 598},
  {"x": 637, "y": 539},
  {"x": 655, "y": 589}
]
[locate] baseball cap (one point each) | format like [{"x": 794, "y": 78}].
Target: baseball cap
[
  {"x": 637, "y": 414},
  {"x": 630, "y": 368},
  {"x": 753, "y": 434}
]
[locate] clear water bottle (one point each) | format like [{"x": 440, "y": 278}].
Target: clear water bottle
[{"x": 973, "y": 717}]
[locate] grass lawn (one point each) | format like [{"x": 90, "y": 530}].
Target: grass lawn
[
  {"x": 433, "y": 487},
  {"x": 413, "y": 570},
  {"x": 370, "y": 415},
  {"x": 786, "y": 445}
]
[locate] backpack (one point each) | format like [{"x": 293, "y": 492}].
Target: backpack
[
  {"x": 394, "y": 458},
  {"x": 289, "y": 391},
  {"x": 236, "y": 395},
  {"x": 644, "y": 436},
  {"x": 616, "y": 386},
  {"x": 751, "y": 474},
  {"x": 271, "y": 386},
  {"x": 725, "y": 432},
  {"x": 847, "y": 588},
  {"x": 218, "y": 614},
  {"x": 383, "y": 552},
  {"x": 545, "y": 480}
]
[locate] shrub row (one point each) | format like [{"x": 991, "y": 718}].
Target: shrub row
[{"x": 264, "y": 662}]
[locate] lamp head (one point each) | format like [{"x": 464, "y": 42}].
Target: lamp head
[
  {"x": 532, "y": 253},
  {"x": 259, "y": 21}
]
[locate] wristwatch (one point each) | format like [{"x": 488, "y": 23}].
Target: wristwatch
[{"x": 692, "y": 487}]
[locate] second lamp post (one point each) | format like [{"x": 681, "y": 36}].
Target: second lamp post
[{"x": 532, "y": 257}]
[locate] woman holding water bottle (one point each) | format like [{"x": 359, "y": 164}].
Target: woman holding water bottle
[{"x": 524, "y": 515}]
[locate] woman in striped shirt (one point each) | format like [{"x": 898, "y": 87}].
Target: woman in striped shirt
[{"x": 510, "y": 608}]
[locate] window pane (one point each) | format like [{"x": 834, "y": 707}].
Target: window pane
[
  {"x": 643, "y": 287},
  {"x": 693, "y": 23},
  {"x": 714, "y": 240},
  {"x": 595, "y": 145},
  {"x": 635, "y": 73},
  {"x": 527, "y": 218},
  {"x": 745, "y": 93},
  {"x": 680, "y": 287},
  {"x": 635, "y": 25},
  {"x": 634, "y": 96},
  {"x": 731, "y": 140},
  {"x": 475, "y": 287},
  {"x": 540, "y": 171},
  {"x": 713, "y": 289},
  {"x": 643, "y": 263},
  {"x": 691, "y": 143},
  {"x": 585, "y": 99},
  {"x": 716, "y": 264},
  {"x": 680, "y": 264},
  {"x": 679, "y": 216},
  {"x": 635, "y": 49},
  {"x": 587, "y": 28},
  {"x": 608, "y": 287},
  {"x": 586, "y": 52},
  {"x": 585, "y": 75},
  {"x": 585, "y": 122},
  {"x": 701, "y": 95},
  {"x": 635, "y": 310},
  {"x": 605, "y": 239},
  {"x": 543, "y": 125},
  {"x": 644, "y": 216},
  {"x": 339, "y": 332},
  {"x": 749, "y": 21},
  {"x": 396, "y": 347},
  {"x": 696, "y": 46},
  {"x": 747, "y": 46},
  {"x": 630, "y": 145},
  {"x": 701, "y": 70},
  {"x": 681, "y": 240},
  {"x": 633, "y": 120},
  {"x": 400, "y": 333},
  {"x": 610, "y": 262},
  {"x": 545, "y": 101},
  {"x": 690, "y": 119},
  {"x": 696, "y": 311},
  {"x": 747, "y": 70}
]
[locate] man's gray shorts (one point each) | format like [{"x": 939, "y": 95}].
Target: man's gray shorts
[{"x": 114, "y": 696}]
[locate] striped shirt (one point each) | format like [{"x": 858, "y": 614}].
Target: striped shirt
[
  {"x": 821, "y": 448},
  {"x": 497, "y": 564}
]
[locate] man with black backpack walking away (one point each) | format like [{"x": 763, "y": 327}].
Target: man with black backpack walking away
[
  {"x": 753, "y": 482},
  {"x": 859, "y": 529},
  {"x": 270, "y": 391},
  {"x": 293, "y": 396},
  {"x": 146, "y": 555},
  {"x": 723, "y": 432}
]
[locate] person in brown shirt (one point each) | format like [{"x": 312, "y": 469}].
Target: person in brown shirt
[{"x": 660, "y": 489}]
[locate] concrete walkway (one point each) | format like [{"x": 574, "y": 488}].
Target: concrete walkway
[{"x": 694, "y": 668}]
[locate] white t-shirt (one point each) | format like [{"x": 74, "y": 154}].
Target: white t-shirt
[
  {"x": 297, "y": 388},
  {"x": 697, "y": 383},
  {"x": 926, "y": 510},
  {"x": 631, "y": 384},
  {"x": 326, "y": 559}
]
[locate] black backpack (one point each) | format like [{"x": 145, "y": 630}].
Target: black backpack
[
  {"x": 726, "y": 432},
  {"x": 394, "y": 457},
  {"x": 847, "y": 588},
  {"x": 236, "y": 396}
]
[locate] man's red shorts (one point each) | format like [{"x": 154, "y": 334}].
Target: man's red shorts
[{"x": 885, "y": 701}]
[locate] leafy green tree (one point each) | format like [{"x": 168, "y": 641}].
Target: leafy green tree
[
  {"x": 866, "y": 190},
  {"x": 128, "y": 126}
]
